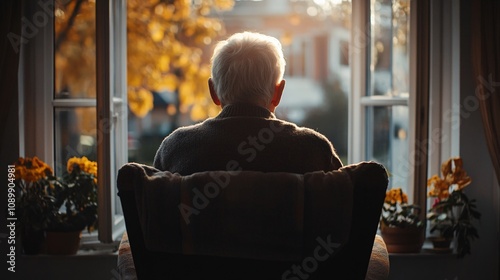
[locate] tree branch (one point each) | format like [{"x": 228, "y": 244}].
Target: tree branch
[{"x": 62, "y": 35}]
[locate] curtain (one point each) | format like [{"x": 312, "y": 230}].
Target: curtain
[
  {"x": 421, "y": 10},
  {"x": 486, "y": 63},
  {"x": 10, "y": 30}
]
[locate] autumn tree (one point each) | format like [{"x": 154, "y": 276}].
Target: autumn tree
[
  {"x": 166, "y": 39},
  {"x": 165, "y": 44}
]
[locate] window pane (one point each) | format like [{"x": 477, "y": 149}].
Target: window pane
[
  {"x": 389, "y": 47},
  {"x": 74, "y": 47},
  {"x": 387, "y": 141},
  {"x": 75, "y": 135},
  {"x": 387, "y": 126},
  {"x": 315, "y": 36}
]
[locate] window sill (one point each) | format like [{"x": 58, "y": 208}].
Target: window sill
[
  {"x": 427, "y": 252},
  {"x": 86, "y": 250},
  {"x": 84, "y": 265}
]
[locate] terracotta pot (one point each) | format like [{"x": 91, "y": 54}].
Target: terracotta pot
[
  {"x": 62, "y": 243},
  {"x": 32, "y": 241},
  {"x": 441, "y": 244},
  {"x": 403, "y": 240}
]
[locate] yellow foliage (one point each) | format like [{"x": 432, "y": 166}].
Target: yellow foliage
[
  {"x": 224, "y": 4},
  {"x": 186, "y": 92},
  {"x": 134, "y": 80},
  {"x": 213, "y": 111},
  {"x": 164, "y": 63},
  {"x": 165, "y": 40},
  {"x": 170, "y": 82},
  {"x": 171, "y": 109},
  {"x": 86, "y": 120},
  {"x": 156, "y": 30},
  {"x": 198, "y": 112},
  {"x": 75, "y": 45},
  {"x": 140, "y": 102}
]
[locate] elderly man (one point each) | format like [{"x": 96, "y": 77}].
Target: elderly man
[{"x": 247, "y": 82}]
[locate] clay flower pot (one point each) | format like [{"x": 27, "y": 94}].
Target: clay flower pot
[
  {"x": 62, "y": 243},
  {"x": 441, "y": 244},
  {"x": 403, "y": 240}
]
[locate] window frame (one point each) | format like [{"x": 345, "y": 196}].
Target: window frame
[
  {"x": 38, "y": 105},
  {"x": 360, "y": 46},
  {"x": 111, "y": 113}
]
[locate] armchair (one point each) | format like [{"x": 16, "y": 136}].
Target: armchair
[{"x": 252, "y": 225}]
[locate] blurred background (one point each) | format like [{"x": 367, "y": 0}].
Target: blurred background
[{"x": 169, "y": 44}]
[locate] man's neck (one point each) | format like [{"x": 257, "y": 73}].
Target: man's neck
[{"x": 245, "y": 109}]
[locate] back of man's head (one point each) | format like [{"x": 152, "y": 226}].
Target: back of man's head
[{"x": 246, "y": 68}]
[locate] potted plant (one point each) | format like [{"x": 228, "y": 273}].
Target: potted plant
[
  {"x": 452, "y": 213},
  {"x": 75, "y": 206},
  {"x": 400, "y": 226},
  {"x": 35, "y": 181}
]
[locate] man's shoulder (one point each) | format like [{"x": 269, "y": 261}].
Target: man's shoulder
[
  {"x": 186, "y": 130},
  {"x": 212, "y": 126},
  {"x": 293, "y": 128}
]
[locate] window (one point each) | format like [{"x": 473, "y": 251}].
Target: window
[
  {"x": 79, "y": 108},
  {"x": 348, "y": 76},
  {"x": 317, "y": 74},
  {"x": 381, "y": 87}
]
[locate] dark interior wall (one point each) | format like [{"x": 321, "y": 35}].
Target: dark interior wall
[
  {"x": 10, "y": 15},
  {"x": 483, "y": 264}
]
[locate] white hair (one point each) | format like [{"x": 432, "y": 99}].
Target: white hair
[{"x": 246, "y": 68}]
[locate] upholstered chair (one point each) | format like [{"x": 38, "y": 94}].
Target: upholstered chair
[{"x": 253, "y": 225}]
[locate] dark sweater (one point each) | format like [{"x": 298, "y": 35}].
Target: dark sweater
[{"x": 245, "y": 137}]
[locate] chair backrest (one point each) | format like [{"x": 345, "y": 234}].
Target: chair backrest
[{"x": 252, "y": 225}]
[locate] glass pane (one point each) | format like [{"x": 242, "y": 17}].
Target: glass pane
[
  {"x": 75, "y": 135},
  {"x": 317, "y": 74},
  {"x": 387, "y": 127},
  {"x": 74, "y": 47},
  {"x": 389, "y": 64},
  {"x": 387, "y": 141}
]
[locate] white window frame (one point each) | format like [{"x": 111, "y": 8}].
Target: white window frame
[
  {"x": 360, "y": 48},
  {"x": 358, "y": 56},
  {"x": 444, "y": 117},
  {"x": 38, "y": 105},
  {"x": 360, "y": 82}
]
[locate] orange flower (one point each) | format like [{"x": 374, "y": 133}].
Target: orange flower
[
  {"x": 438, "y": 187},
  {"x": 396, "y": 195},
  {"x": 453, "y": 176},
  {"x": 84, "y": 164},
  {"x": 32, "y": 169}
]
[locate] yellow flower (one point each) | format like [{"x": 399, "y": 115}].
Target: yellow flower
[
  {"x": 32, "y": 169},
  {"x": 85, "y": 165},
  {"x": 453, "y": 175},
  {"x": 438, "y": 187},
  {"x": 396, "y": 196}
]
